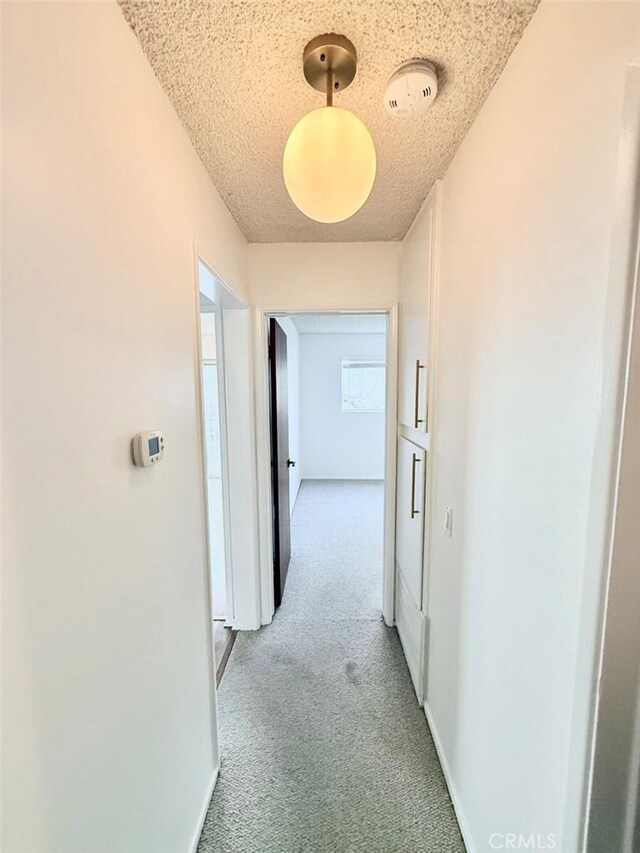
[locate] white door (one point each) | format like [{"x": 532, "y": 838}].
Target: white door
[
  {"x": 416, "y": 277},
  {"x": 417, "y": 286},
  {"x": 410, "y": 514}
]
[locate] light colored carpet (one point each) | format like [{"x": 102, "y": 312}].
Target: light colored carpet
[
  {"x": 324, "y": 747},
  {"x": 336, "y": 553}
]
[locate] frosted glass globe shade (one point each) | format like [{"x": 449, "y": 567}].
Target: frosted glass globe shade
[{"x": 329, "y": 164}]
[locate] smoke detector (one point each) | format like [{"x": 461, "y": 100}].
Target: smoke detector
[{"x": 412, "y": 87}]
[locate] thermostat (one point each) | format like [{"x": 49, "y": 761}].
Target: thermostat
[{"x": 147, "y": 448}]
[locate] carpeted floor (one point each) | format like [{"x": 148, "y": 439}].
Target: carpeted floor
[{"x": 324, "y": 747}]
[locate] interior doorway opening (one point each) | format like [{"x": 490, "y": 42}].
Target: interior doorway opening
[
  {"x": 215, "y": 302},
  {"x": 212, "y": 397},
  {"x": 328, "y": 392}
]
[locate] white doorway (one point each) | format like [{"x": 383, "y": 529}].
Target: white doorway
[
  {"x": 219, "y": 307},
  {"x": 341, "y": 369},
  {"x": 213, "y": 383}
]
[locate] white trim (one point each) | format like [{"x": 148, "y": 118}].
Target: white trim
[
  {"x": 432, "y": 406},
  {"x": 354, "y": 478},
  {"x": 241, "y": 529},
  {"x": 230, "y": 610},
  {"x": 215, "y": 741},
  {"x": 390, "y": 463},
  {"x": 219, "y": 363},
  {"x": 456, "y": 800},
  {"x": 218, "y": 290},
  {"x": 263, "y": 453},
  {"x": 217, "y": 294},
  {"x": 195, "y": 838},
  {"x": 263, "y": 459},
  {"x": 617, "y": 343},
  {"x": 604, "y": 476},
  {"x": 239, "y": 346}
]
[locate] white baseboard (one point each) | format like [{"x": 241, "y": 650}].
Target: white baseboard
[
  {"x": 295, "y": 499},
  {"x": 239, "y": 624},
  {"x": 203, "y": 813},
  {"x": 453, "y": 791},
  {"x": 342, "y": 477}
]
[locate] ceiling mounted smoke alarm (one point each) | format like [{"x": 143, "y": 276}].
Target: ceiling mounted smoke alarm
[{"x": 412, "y": 88}]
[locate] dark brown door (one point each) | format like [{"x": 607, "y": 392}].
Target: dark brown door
[{"x": 280, "y": 461}]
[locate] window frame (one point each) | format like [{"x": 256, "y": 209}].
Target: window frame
[{"x": 374, "y": 363}]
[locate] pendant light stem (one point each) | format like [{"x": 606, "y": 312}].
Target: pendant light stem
[{"x": 329, "y": 87}]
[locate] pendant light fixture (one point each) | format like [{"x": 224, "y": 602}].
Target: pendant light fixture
[{"x": 329, "y": 160}]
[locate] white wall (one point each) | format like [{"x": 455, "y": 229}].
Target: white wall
[
  {"x": 337, "y": 445},
  {"x": 106, "y": 694},
  {"x": 527, "y": 220},
  {"x": 310, "y": 276},
  {"x": 293, "y": 399}
]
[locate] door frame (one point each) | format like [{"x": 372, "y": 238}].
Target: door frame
[
  {"x": 281, "y": 522},
  {"x": 217, "y": 291},
  {"x": 224, "y": 462},
  {"x": 261, "y": 315},
  {"x": 588, "y": 774},
  {"x": 215, "y": 301}
]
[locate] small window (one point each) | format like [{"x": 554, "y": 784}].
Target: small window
[{"x": 363, "y": 385}]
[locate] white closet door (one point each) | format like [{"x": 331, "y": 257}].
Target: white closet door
[
  {"x": 410, "y": 513},
  {"x": 416, "y": 278}
]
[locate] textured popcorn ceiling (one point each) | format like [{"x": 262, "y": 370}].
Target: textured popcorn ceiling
[{"x": 233, "y": 71}]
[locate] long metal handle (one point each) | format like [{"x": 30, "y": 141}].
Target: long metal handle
[
  {"x": 416, "y": 415},
  {"x": 414, "y": 461}
]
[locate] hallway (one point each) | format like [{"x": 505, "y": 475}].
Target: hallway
[{"x": 324, "y": 747}]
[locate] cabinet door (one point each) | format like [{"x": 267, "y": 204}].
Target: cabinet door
[
  {"x": 410, "y": 516},
  {"x": 416, "y": 283},
  {"x": 410, "y": 505}
]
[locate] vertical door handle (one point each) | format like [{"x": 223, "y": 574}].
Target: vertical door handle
[
  {"x": 416, "y": 415},
  {"x": 414, "y": 461}
]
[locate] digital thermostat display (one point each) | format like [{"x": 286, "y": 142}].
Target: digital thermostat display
[{"x": 147, "y": 448}]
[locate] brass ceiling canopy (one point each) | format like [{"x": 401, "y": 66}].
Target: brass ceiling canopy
[{"x": 329, "y": 63}]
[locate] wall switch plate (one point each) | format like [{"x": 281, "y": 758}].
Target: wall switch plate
[{"x": 448, "y": 521}]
